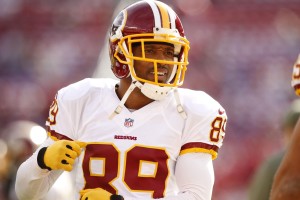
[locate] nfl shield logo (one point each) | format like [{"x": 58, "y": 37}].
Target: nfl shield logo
[{"x": 128, "y": 122}]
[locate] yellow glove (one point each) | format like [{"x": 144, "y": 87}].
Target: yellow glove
[
  {"x": 95, "y": 194},
  {"x": 60, "y": 155}
]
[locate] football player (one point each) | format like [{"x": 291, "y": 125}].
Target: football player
[
  {"x": 286, "y": 183},
  {"x": 141, "y": 137}
]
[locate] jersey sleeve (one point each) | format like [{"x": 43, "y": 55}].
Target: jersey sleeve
[
  {"x": 65, "y": 111},
  {"x": 195, "y": 177},
  {"x": 32, "y": 182},
  {"x": 59, "y": 123},
  {"x": 205, "y": 128}
]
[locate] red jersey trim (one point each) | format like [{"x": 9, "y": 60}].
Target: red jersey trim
[{"x": 56, "y": 136}]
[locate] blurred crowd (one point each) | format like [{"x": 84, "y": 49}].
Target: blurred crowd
[{"x": 242, "y": 53}]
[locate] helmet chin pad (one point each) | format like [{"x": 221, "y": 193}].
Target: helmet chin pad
[{"x": 155, "y": 92}]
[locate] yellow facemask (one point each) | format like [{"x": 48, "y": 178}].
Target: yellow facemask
[{"x": 180, "y": 61}]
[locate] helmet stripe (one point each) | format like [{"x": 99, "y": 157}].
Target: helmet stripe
[
  {"x": 172, "y": 16},
  {"x": 155, "y": 13},
  {"x": 164, "y": 14}
]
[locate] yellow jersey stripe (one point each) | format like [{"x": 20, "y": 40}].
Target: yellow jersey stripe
[
  {"x": 164, "y": 15},
  {"x": 200, "y": 150}
]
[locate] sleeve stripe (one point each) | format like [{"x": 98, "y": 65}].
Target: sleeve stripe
[
  {"x": 56, "y": 136},
  {"x": 195, "y": 147}
]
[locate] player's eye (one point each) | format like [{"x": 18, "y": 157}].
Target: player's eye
[
  {"x": 169, "y": 53},
  {"x": 149, "y": 51}
]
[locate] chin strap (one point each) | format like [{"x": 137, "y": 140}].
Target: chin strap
[
  {"x": 119, "y": 108},
  {"x": 179, "y": 105},
  {"x": 135, "y": 84}
]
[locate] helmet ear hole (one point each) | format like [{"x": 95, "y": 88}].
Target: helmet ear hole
[{"x": 120, "y": 70}]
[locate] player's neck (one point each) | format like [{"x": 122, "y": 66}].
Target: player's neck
[{"x": 136, "y": 99}]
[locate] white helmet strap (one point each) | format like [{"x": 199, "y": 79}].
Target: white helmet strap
[
  {"x": 120, "y": 107},
  {"x": 149, "y": 91},
  {"x": 180, "y": 109}
]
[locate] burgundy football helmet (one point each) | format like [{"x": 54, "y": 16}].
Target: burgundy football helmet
[{"x": 148, "y": 21}]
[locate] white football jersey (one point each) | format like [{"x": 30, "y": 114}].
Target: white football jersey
[{"x": 134, "y": 154}]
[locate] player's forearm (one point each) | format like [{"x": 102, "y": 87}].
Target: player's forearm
[
  {"x": 286, "y": 189},
  {"x": 287, "y": 178},
  {"x": 32, "y": 182}
]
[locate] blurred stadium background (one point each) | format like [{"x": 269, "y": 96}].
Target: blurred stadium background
[{"x": 242, "y": 53}]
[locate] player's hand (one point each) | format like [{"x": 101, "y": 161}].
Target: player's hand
[
  {"x": 99, "y": 194},
  {"x": 62, "y": 154}
]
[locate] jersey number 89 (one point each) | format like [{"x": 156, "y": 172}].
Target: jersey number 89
[{"x": 132, "y": 176}]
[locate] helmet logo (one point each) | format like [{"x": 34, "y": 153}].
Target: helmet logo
[
  {"x": 118, "y": 23},
  {"x": 114, "y": 28}
]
